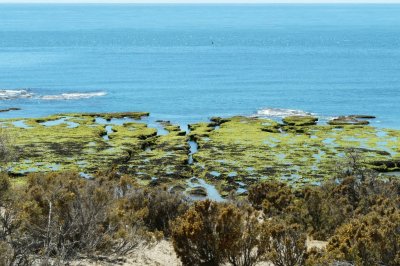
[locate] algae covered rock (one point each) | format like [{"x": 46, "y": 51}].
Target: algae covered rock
[
  {"x": 386, "y": 165},
  {"x": 300, "y": 120},
  {"x": 347, "y": 120},
  {"x": 241, "y": 148},
  {"x": 91, "y": 142}
]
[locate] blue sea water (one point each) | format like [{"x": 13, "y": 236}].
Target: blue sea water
[{"x": 185, "y": 63}]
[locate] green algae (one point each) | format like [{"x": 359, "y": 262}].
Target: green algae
[
  {"x": 297, "y": 151},
  {"x": 64, "y": 146},
  {"x": 300, "y": 120}
]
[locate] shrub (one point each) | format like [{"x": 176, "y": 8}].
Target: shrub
[
  {"x": 6, "y": 253},
  {"x": 272, "y": 197},
  {"x": 211, "y": 233},
  {"x": 7, "y": 149},
  {"x": 158, "y": 207},
  {"x": 63, "y": 215},
  {"x": 194, "y": 235},
  {"x": 373, "y": 239},
  {"x": 286, "y": 244}
]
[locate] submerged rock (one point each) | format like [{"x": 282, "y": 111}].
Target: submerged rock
[
  {"x": 198, "y": 191},
  {"x": 363, "y": 116},
  {"x": 9, "y": 109}
]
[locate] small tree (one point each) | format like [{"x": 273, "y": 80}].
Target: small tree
[
  {"x": 64, "y": 216},
  {"x": 211, "y": 233},
  {"x": 194, "y": 235},
  {"x": 7, "y": 149},
  {"x": 249, "y": 246},
  {"x": 286, "y": 243}
]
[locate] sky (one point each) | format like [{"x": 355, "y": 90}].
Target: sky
[{"x": 199, "y": 1}]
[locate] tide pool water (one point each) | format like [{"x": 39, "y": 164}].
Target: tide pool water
[{"x": 185, "y": 63}]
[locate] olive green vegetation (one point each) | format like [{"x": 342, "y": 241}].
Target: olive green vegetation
[
  {"x": 231, "y": 150},
  {"x": 250, "y": 149},
  {"x": 80, "y": 142}
]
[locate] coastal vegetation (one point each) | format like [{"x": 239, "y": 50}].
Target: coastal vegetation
[{"x": 231, "y": 191}]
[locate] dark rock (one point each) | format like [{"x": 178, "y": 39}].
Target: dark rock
[
  {"x": 181, "y": 133},
  {"x": 218, "y": 120},
  {"x": 154, "y": 182},
  {"x": 177, "y": 188},
  {"x": 198, "y": 191},
  {"x": 194, "y": 180},
  {"x": 229, "y": 187},
  {"x": 9, "y": 109},
  {"x": 363, "y": 116},
  {"x": 347, "y": 120},
  {"x": 385, "y": 165},
  {"x": 270, "y": 129}
]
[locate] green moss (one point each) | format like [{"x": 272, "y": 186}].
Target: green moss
[
  {"x": 300, "y": 120},
  {"x": 252, "y": 148},
  {"x": 298, "y": 154}
]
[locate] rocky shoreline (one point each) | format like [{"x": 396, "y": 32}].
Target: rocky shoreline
[{"x": 230, "y": 154}]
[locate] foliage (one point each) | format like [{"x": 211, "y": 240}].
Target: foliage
[
  {"x": 63, "y": 216},
  {"x": 7, "y": 149},
  {"x": 286, "y": 244},
  {"x": 211, "y": 233},
  {"x": 372, "y": 239},
  {"x": 158, "y": 207},
  {"x": 272, "y": 197}
]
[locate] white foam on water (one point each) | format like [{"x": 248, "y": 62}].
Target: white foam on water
[
  {"x": 280, "y": 112},
  {"x": 74, "y": 96},
  {"x": 15, "y": 94}
]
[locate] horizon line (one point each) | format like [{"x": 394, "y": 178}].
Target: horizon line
[{"x": 197, "y": 2}]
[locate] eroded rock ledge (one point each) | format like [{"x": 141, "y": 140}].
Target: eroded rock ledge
[{"x": 232, "y": 152}]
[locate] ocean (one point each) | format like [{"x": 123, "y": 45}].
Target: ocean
[{"x": 186, "y": 63}]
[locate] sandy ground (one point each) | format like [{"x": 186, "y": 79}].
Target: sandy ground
[
  {"x": 162, "y": 254},
  {"x": 316, "y": 244}
]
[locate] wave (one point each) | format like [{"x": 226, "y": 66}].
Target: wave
[
  {"x": 15, "y": 94},
  {"x": 23, "y": 93},
  {"x": 280, "y": 112},
  {"x": 73, "y": 96}
]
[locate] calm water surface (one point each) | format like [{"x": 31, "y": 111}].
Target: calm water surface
[{"x": 186, "y": 63}]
